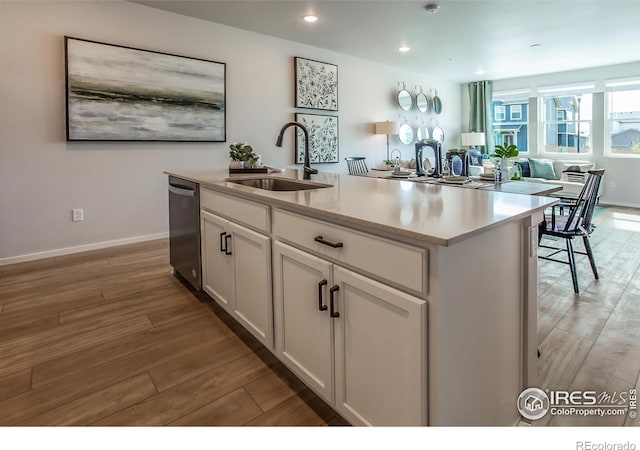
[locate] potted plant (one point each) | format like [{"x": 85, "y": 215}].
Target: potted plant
[
  {"x": 242, "y": 155},
  {"x": 502, "y": 153}
]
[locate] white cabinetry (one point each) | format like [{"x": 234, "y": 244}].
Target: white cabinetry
[
  {"x": 358, "y": 343},
  {"x": 236, "y": 266}
]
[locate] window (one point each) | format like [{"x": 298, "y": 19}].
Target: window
[
  {"x": 566, "y": 120},
  {"x": 623, "y": 114},
  {"x": 515, "y": 112},
  {"x": 515, "y": 130}
]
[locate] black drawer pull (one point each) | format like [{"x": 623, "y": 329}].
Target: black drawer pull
[
  {"x": 321, "y": 307},
  {"x": 222, "y": 235},
  {"x": 226, "y": 244},
  {"x": 330, "y": 244},
  {"x": 332, "y": 292}
]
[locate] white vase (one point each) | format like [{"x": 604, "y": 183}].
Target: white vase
[
  {"x": 504, "y": 166},
  {"x": 236, "y": 165}
]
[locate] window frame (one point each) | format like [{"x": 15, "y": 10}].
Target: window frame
[
  {"x": 611, "y": 87},
  {"x": 543, "y": 122},
  {"x": 510, "y": 98},
  {"x": 512, "y": 110}
]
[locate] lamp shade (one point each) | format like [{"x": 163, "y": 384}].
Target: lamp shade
[
  {"x": 472, "y": 139},
  {"x": 387, "y": 127}
]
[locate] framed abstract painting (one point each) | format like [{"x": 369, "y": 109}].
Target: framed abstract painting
[
  {"x": 316, "y": 84},
  {"x": 117, "y": 93},
  {"x": 323, "y": 138}
]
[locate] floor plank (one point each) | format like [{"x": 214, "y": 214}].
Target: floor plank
[
  {"x": 98, "y": 404},
  {"x": 235, "y": 408},
  {"x": 15, "y": 384},
  {"x": 45, "y": 346},
  {"x": 178, "y": 401}
]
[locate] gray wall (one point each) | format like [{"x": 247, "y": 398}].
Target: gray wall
[{"x": 120, "y": 185}]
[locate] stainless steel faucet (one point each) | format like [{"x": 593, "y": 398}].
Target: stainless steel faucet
[{"x": 307, "y": 170}]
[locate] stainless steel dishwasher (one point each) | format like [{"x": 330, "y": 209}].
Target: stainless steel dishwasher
[{"x": 184, "y": 230}]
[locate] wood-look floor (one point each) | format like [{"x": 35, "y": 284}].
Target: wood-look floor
[{"x": 110, "y": 337}]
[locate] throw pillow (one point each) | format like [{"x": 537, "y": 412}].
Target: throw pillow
[
  {"x": 542, "y": 168},
  {"x": 524, "y": 166}
]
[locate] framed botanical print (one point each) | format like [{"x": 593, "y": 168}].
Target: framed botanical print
[
  {"x": 316, "y": 84},
  {"x": 323, "y": 138},
  {"x": 117, "y": 93}
]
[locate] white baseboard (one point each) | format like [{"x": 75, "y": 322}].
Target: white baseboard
[
  {"x": 80, "y": 248},
  {"x": 610, "y": 203}
]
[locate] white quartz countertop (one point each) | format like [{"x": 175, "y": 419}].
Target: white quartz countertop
[{"x": 435, "y": 214}]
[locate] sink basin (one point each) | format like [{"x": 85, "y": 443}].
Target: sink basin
[{"x": 278, "y": 184}]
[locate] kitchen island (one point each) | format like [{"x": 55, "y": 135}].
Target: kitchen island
[{"x": 398, "y": 303}]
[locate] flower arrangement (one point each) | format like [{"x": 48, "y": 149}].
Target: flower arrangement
[{"x": 242, "y": 151}]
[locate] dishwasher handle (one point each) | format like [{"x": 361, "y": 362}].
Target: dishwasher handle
[{"x": 181, "y": 191}]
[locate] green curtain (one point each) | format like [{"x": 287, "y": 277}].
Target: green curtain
[{"x": 480, "y": 93}]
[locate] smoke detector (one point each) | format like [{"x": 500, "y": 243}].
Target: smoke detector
[{"x": 432, "y": 9}]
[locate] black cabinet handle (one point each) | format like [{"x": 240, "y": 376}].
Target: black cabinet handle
[
  {"x": 222, "y": 235},
  {"x": 321, "y": 307},
  {"x": 332, "y": 292},
  {"x": 330, "y": 244},
  {"x": 226, "y": 244}
]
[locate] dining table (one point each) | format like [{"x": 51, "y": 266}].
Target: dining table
[{"x": 510, "y": 186}]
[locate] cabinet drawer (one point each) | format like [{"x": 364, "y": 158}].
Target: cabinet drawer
[
  {"x": 397, "y": 263},
  {"x": 254, "y": 215}
]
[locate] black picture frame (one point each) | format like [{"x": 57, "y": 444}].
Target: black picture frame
[
  {"x": 323, "y": 138},
  {"x": 120, "y": 93},
  {"x": 316, "y": 84}
]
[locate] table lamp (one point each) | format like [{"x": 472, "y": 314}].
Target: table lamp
[
  {"x": 472, "y": 139},
  {"x": 387, "y": 128}
]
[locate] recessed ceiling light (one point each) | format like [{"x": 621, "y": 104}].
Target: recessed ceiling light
[
  {"x": 310, "y": 18},
  {"x": 432, "y": 9},
  {"x": 404, "y": 49},
  {"x": 479, "y": 72}
]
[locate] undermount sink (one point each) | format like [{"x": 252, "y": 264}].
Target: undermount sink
[{"x": 278, "y": 184}]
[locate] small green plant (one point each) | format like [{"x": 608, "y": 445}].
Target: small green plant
[
  {"x": 242, "y": 152},
  {"x": 505, "y": 151}
]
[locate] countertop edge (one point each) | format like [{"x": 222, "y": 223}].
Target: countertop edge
[{"x": 338, "y": 219}]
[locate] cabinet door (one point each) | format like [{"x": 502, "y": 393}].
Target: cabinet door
[
  {"x": 380, "y": 350},
  {"x": 251, "y": 255},
  {"x": 217, "y": 268},
  {"x": 303, "y": 329}
]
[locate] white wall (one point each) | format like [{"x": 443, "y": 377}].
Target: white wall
[
  {"x": 120, "y": 185},
  {"x": 623, "y": 172}
]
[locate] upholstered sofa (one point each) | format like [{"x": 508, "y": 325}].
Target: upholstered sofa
[{"x": 571, "y": 175}]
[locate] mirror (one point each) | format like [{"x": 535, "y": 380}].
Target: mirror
[
  {"x": 422, "y": 102},
  {"x": 422, "y": 132},
  {"x": 404, "y": 99},
  {"x": 437, "y": 104},
  {"x": 405, "y": 133},
  {"x": 438, "y": 134}
]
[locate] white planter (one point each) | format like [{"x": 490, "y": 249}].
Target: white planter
[{"x": 236, "y": 165}]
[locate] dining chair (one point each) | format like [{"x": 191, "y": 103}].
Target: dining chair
[
  {"x": 356, "y": 165},
  {"x": 571, "y": 220}
]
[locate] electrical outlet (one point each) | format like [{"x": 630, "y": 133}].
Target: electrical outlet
[
  {"x": 77, "y": 215},
  {"x": 612, "y": 184}
]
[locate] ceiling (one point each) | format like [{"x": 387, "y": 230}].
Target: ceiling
[{"x": 501, "y": 38}]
